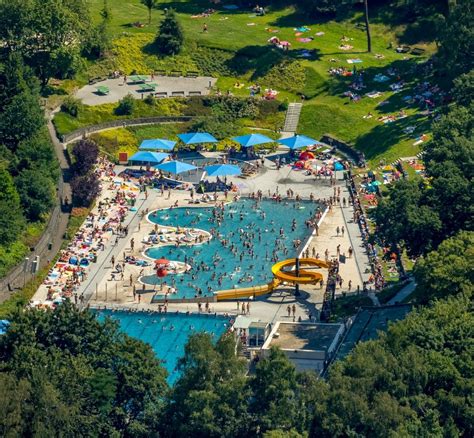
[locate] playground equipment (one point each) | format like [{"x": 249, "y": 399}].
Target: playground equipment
[{"x": 283, "y": 272}]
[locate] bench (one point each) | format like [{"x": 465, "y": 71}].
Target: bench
[
  {"x": 177, "y": 93},
  {"x": 192, "y": 74},
  {"x": 161, "y": 94},
  {"x": 160, "y": 72},
  {"x": 95, "y": 80},
  {"x": 417, "y": 51},
  {"x": 176, "y": 73},
  {"x": 194, "y": 93}
]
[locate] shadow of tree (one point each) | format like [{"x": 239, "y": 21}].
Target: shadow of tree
[
  {"x": 261, "y": 59},
  {"x": 382, "y": 137}
]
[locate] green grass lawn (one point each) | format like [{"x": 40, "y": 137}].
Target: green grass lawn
[{"x": 235, "y": 48}]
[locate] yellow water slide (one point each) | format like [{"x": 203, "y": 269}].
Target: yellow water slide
[{"x": 283, "y": 273}]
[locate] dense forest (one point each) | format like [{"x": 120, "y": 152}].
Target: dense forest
[{"x": 62, "y": 373}]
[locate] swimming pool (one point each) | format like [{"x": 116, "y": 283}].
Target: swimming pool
[
  {"x": 166, "y": 333},
  {"x": 246, "y": 243}
]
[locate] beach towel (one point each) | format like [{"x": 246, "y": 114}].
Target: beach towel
[
  {"x": 319, "y": 33},
  {"x": 297, "y": 34},
  {"x": 354, "y": 61},
  {"x": 304, "y": 40},
  {"x": 250, "y": 24},
  {"x": 381, "y": 78},
  {"x": 303, "y": 29}
]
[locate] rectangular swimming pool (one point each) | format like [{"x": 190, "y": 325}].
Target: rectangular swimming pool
[{"x": 166, "y": 333}]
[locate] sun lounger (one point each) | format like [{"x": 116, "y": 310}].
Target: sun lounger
[{"x": 103, "y": 90}]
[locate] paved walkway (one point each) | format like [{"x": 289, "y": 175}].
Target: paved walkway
[
  {"x": 269, "y": 308},
  {"x": 119, "y": 89},
  {"x": 403, "y": 293}
]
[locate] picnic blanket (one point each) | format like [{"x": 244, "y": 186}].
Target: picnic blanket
[
  {"x": 304, "y": 40},
  {"x": 354, "y": 61}
]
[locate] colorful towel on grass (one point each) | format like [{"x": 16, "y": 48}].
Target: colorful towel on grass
[
  {"x": 303, "y": 29},
  {"x": 304, "y": 40},
  {"x": 319, "y": 33},
  {"x": 354, "y": 61}
]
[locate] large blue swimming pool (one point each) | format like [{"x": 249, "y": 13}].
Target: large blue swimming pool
[
  {"x": 246, "y": 243},
  {"x": 166, "y": 333}
]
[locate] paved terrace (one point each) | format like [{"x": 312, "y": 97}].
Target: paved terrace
[
  {"x": 270, "y": 308},
  {"x": 118, "y": 89}
]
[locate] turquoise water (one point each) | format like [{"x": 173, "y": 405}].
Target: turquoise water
[
  {"x": 166, "y": 333},
  {"x": 245, "y": 244}
]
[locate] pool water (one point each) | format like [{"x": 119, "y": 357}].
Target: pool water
[
  {"x": 166, "y": 333},
  {"x": 254, "y": 244}
]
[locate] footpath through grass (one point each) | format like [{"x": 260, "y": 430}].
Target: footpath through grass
[{"x": 235, "y": 49}]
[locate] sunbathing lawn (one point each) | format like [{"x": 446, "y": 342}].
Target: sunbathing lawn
[{"x": 239, "y": 32}]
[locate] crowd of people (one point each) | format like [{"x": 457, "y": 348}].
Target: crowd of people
[{"x": 103, "y": 226}]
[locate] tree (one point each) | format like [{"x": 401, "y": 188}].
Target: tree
[
  {"x": 21, "y": 119},
  {"x": 277, "y": 402},
  {"x": 169, "y": 39},
  {"x": 125, "y": 106},
  {"x": 210, "y": 398},
  {"x": 463, "y": 90},
  {"x": 367, "y": 25},
  {"x": 36, "y": 153},
  {"x": 46, "y": 32},
  {"x": 457, "y": 40},
  {"x": 86, "y": 153},
  {"x": 448, "y": 270},
  {"x": 105, "y": 383},
  {"x": 403, "y": 217},
  {"x": 36, "y": 192},
  {"x": 85, "y": 188},
  {"x": 150, "y": 4},
  {"x": 11, "y": 218},
  {"x": 411, "y": 382}
]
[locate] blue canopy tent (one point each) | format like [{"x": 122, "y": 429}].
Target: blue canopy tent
[
  {"x": 157, "y": 144},
  {"x": 222, "y": 170},
  {"x": 197, "y": 137},
  {"x": 175, "y": 167},
  {"x": 148, "y": 157},
  {"x": 338, "y": 166},
  {"x": 297, "y": 141},
  {"x": 252, "y": 140}
]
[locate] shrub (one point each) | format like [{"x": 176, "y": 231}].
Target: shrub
[
  {"x": 287, "y": 75},
  {"x": 150, "y": 100},
  {"x": 71, "y": 106},
  {"x": 125, "y": 106}
]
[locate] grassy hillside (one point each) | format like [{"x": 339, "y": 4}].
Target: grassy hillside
[{"x": 236, "y": 48}]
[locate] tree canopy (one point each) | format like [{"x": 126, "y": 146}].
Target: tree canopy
[
  {"x": 169, "y": 39},
  {"x": 65, "y": 374}
]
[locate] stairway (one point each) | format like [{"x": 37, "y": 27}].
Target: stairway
[{"x": 292, "y": 117}]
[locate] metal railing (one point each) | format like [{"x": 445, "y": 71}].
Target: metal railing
[{"x": 79, "y": 133}]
